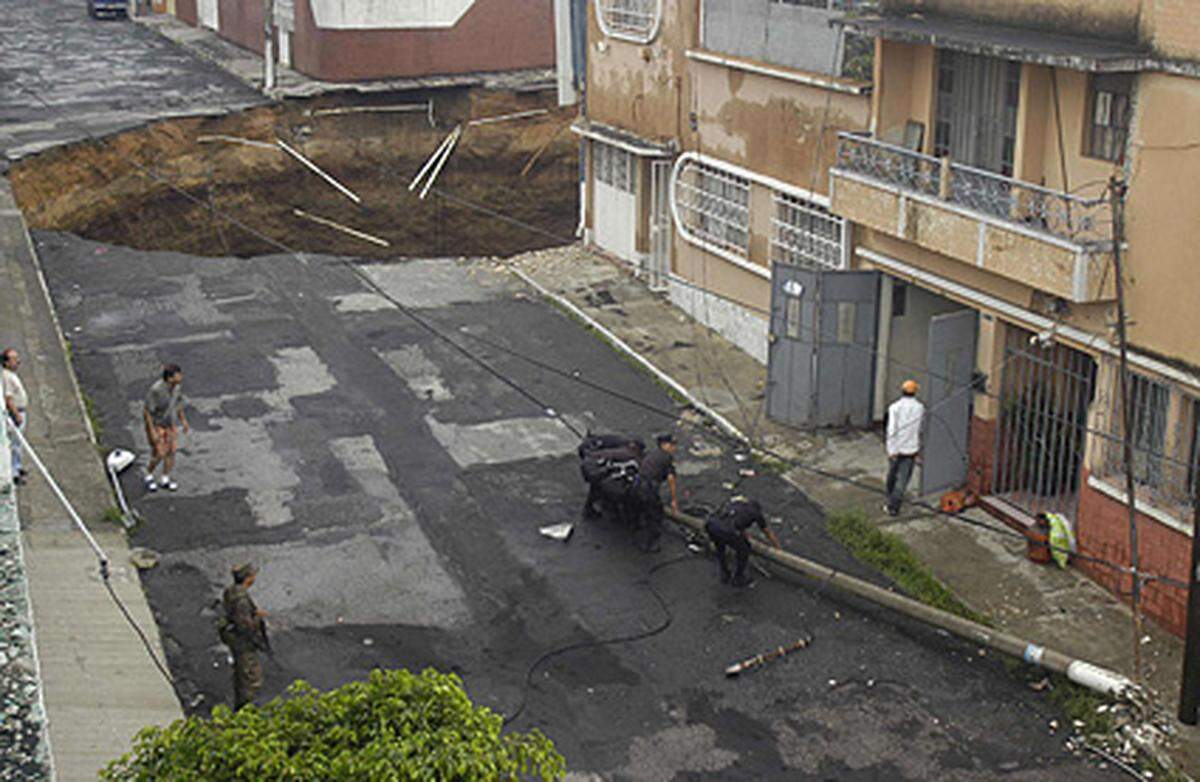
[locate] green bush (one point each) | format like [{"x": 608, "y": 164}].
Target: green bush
[{"x": 397, "y": 725}]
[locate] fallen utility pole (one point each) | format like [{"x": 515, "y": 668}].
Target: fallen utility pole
[
  {"x": 249, "y": 142},
  {"x": 434, "y": 158},
  {"x": 507, "y": 117},
  {"x": 366, "y": 237},
  {"x": 1082, "y": 673},
  {"x": 392, "y": 109},
  {"x": 319, "y": 172},
  {"x": 766, "y": 657},
  {"x": 437, "y": 169}
]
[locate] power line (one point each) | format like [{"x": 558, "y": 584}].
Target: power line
[{"x": 570, "y": 375}]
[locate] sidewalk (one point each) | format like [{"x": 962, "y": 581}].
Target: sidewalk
[
  {"x": 1060, "y": 609},
  {"x": 99, "y": 685},
  {"x": 247, "y": 66}
]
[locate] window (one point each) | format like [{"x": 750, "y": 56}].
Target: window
[
  {"x": 1149, "y": 403},
  {"x": 630, "y": 20},
  {"x": 806, "y": 234},
  {"x": 713, "y": 206},
  {"x": 1109, "y": 106},
  {"x": 613, "y": 166}
]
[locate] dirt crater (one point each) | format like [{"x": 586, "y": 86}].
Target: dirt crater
[{"x": 509, "y": 186}]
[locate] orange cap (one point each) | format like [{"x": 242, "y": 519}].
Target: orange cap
[{"x": 910, "y": 386}]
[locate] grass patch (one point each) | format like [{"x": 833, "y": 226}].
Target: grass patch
[
  {"x": 112, "y": 514},
  {"x": 888, "y": 554},
  {"x": 93, "y": 418}
]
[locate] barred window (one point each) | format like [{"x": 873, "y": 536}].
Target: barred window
[
  {"x": 632, "y": 20},
  {"x": 1148, "y": 402},
  {"x": 613, "y": 166},
  {"x": 806, "y": 234},
  {"x": 1109, "y": 101},
  {"x": 714, "y": 206}
]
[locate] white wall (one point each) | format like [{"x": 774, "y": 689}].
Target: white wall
[
  {"x": 743, "y": 327},
  {"x": 391, "y": 14}
]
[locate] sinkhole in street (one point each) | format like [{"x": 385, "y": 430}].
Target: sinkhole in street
[{"x": 509, "y": 186}]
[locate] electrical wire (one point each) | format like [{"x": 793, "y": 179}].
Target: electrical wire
[
  {"x": 668, "y": 618},
  {"x": 935, "y": 510}
]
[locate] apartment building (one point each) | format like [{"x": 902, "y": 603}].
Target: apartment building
[
  {"x": 709, "y": 127},
  {"x": 359, "y": 40},
  {"x": 982, "y": 202}
]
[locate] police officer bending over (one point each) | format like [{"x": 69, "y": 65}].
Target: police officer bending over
[
  {"x": 658, "y": 467},
  {"x": 608, "y": 464},
  {"x": 729, "y": 527}
]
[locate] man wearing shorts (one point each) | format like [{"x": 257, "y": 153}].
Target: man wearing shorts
[{"x": 164, "y": 404}]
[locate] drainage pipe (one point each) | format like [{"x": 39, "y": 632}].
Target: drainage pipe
[{"x": 1083, "y": 673}]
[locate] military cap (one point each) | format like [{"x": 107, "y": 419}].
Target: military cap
[
  {"x": 244, "y": 571},
  {"x": 664, "y": 438}
]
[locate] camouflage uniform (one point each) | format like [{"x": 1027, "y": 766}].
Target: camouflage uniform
[{"x": 244, "y": 636}]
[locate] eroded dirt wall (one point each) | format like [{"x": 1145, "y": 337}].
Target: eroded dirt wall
[{"x": 164, "y": 186}]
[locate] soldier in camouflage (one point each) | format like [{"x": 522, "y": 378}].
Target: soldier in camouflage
[{"x": 244, "y": 632}]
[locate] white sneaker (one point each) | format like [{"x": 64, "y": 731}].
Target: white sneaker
[
  {"x": 168, "y": 484},
  {"x": 149, "y": 484}
]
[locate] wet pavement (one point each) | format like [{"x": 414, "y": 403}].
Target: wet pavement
[
  {"x": 391, "y": 487},
  {"x": 65, "y": 76}
]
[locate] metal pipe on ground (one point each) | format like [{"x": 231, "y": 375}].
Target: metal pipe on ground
[
  {"x": 1083, "y": 673},
  {"x": 319, "y": 172}
]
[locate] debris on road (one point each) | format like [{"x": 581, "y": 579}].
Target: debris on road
[
  {"x": 558, "y": 531},
  {"x": 766, "y": 657},
  {"x": 319, "y": 172}
]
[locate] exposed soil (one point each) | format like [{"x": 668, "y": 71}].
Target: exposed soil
[{"x": 125, "y": 189}]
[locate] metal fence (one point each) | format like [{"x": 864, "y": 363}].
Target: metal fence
[
  {"x": 1067, "y": 216},
  {"x": 1045, "y": 394}
]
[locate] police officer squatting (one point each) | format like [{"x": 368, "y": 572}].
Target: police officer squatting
[{"x": 626, "y": 485}]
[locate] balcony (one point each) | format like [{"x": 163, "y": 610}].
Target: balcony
[{"x": 1056, "y": 242}]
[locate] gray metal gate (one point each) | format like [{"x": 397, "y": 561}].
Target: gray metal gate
[
  {"x": 1045, "y": 393},
  {"x": 950, "y": 364},
  {"x": 820, "y": 364}
]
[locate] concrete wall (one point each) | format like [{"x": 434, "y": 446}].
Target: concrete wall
[
  {"x": 492, "y": 35},
  {"x": 740, "y": 325},
  {"x": 382, "y": 14},
  {"x": 1116, "y": 19},
  {"x": 908, "y": 348},
  {"x": 242, "y": 22},
  {"x": 1173, "y": 27},
  {"x": 904, "y": 79},
  {"x": 186, "y": 10},
  {"x": 642, "y": 88},
  {"x": 788, "y": 35},
  {"x": 1164, "y": 284}
]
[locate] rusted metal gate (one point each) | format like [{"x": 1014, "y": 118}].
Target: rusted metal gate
[{"x": 1045, "y": 393}]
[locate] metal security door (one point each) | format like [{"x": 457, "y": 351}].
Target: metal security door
[
  {"x": 659, "y": 263},
  {"x": 614, "y": 213},
  {"x": 821, "y": 359},
  {"x": 950, "y": 366}
]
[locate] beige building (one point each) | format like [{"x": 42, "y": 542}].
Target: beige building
[
  {"x": 1011, "y": 145},
  {"x": 709, "y": 127},
  {"x": 859, "y": 194}
]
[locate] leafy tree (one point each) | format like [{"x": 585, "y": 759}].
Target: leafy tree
[{"x": 395, "y": 726}]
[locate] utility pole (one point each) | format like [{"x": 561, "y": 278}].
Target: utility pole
[
  {"x": 1116, "y": 189},
  {"x": 1189, "y": 688},
  {"x": 268, "y": 46}
]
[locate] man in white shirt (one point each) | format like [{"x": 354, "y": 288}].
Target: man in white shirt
[
  {"x": 904, "y": 419},
  {"x": 15, "y": 402}
]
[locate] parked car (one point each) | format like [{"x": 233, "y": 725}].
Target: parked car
[{"x": 112, "y": 8}]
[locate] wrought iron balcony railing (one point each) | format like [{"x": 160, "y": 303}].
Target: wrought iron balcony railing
[{"x": 1064, "y": 215}]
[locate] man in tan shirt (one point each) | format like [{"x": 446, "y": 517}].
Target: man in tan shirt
[{"x": 15, "y": 403}]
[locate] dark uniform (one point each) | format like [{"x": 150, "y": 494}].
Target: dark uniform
[
  {"x": 609, "y": 474},
  {"x": 244, "y": 634},
  {"x": 656, "y": 468},
  {"x": 727, "y": 527}
]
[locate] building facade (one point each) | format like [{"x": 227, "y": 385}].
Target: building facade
[
  {"x": 709, "y": 127},
  {"x": 359, "y": 40},
  {"x": 1014, "y": 149}
]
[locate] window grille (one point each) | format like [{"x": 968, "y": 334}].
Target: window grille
[
  {"x": 806, "y": 234},
  {"x": 714, "y": 206},
  {"x": 613, "y": 166},
  {"x": 1148, "y": 402},
  {"x": 1109, "y": 99},
  {"x": 632, "y": 20}
]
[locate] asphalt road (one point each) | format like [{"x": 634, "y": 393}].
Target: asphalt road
[
  {"x": 391, "y": 488},
  {"x": 65, "y": 76}
]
